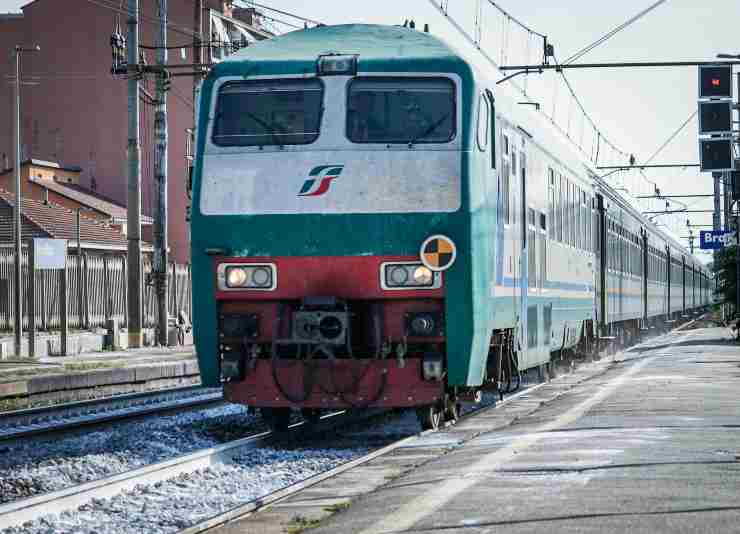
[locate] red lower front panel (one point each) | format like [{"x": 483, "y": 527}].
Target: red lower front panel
[{"x": 334, "y": 384}]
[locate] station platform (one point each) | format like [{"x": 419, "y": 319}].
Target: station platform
[
  {"x": 56, "y": 379},
  {"x": 647, "y": 441}
]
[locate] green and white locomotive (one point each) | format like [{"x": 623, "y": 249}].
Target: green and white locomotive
[{"x": 375, "y": 223}]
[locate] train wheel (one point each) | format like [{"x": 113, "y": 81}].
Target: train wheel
[
  {"x": 311, "y": 415},
  {"x": 278, "y": 419},
  {"x": 430, "y": 417},
  {"x": 452, "y": 409}
]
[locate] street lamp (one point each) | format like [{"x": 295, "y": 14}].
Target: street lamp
[{"x": 18, "y": 324}]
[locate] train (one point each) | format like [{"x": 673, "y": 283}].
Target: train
[{"x": 377, "y": 224}]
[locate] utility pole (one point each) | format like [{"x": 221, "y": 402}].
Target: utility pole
[
  {"x": 716, "y": 222},
  {"x": 18, "y": 280},
  {"x": 726, "y": 177},
  {"x": 133, "y": 222},
  {"x": 160, "y": 177},
  {"x": 737, "y": 230}
]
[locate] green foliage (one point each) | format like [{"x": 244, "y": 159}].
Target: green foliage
[{"x": 725, "y": 269}]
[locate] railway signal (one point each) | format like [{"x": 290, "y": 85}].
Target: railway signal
[
  {"x": 716, "y": 154},
  {"x": 715, "y": 118},
  {"x": 715, "y": 82}
]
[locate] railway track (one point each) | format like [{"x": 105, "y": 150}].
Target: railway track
[
  {"x": 16, "y": 513},
  {"x": 71, "y": 416},
  {"x": 262, "y": 502}
]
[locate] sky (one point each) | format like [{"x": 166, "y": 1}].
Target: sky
[{"x": 637, "y": 109}]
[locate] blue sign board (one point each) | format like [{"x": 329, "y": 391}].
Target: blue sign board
[
  {"x": 49, "y": 253},
  {"x": 716, "y": 239}
]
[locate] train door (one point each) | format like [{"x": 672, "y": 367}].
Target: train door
[
  {"x": 523, "y": 212},
  {"x": 601, "y": 259},
  {"x": 683, "y": 285}
]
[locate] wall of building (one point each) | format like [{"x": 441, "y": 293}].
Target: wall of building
[{"x": 76, "y": 115}]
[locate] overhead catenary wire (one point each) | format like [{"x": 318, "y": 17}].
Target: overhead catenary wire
[
  {"x": 506, "y": 21},
  {"x": 672, "y": 136},
  {"x": 515, "y": 20},
  {"x": 286, "y": 13},
  {"x": 613, "y": 32}
]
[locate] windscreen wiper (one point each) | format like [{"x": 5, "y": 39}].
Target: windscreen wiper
[
  {"x": 430, "y": 129},
  {"x": 270, "y": 128}
]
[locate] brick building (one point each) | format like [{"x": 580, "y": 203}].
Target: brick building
[
  {"x": 51, "y": 183},
  {"x": 74, "y": 110}
]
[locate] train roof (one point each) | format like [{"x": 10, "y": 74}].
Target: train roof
[
  {"x": 392, "y": 48},
  {"x": 377, "y": 47}
]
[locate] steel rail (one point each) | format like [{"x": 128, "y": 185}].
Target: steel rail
[
  {"x": 67, "y": 422},
  {"x": 255, "y": 505},
  {"x": 260, "y": 503},
  {"x": 21, "y": 511}
]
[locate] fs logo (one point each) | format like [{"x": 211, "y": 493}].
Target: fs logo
[{"x": 319, "y": 180}]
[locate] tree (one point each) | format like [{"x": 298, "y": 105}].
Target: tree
[{"x": 725, "y": 270}]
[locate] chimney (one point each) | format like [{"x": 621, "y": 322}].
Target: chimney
[
  {"x": 227, "y": 8},
  {"x": 46, "y": 196}
]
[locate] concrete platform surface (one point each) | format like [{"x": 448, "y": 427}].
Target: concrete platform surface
[
  {"x": 57, "y": 379},
  {"x": 649, "y": 443}
]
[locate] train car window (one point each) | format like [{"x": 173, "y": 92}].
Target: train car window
[
  {"x": 577, "y": 209},
  {"x": 568, "y": 213},
  {"x": 558, "y": 208},
  {"x": 551, "y": 202},
  {"x": 483, "y": 122},
  {"x": 571, "y": 215},
  {"x": 268, "y": 112},
  {"x": 543, "y": 253},
  {"x": 505, "y": 187},
  {"x": 401, "y": 110}
]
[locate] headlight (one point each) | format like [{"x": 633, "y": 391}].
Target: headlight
[
  {"x": 411, "y": 275},
  {"x": 398, "y": 275},
  {"x": 244, "y": 276},
  {"x": 423, "y": 275},
  {"x": 236, "y": 277}
]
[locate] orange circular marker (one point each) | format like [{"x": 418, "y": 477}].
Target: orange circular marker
[{"x": 438, "y": 252}]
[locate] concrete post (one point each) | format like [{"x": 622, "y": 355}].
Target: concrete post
[
  {"x": 133, "y": 223},
  {"x": 159, "y": 264},
  {"x": 63, "y": 308},
  {"x": 31, "y": 302},
  {"x": 17, "y": 282}
]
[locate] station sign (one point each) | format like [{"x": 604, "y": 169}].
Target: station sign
[
  {"x": 49, "y": 253},
  {"x": 716, "y": 239}
]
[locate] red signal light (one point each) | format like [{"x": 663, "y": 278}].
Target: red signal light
[{"x": 715, "y": 82}]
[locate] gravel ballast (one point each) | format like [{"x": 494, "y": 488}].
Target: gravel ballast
[{"x": 33, "y": 466}]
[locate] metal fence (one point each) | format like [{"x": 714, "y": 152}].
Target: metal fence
[{"x": 96, "y": 291}]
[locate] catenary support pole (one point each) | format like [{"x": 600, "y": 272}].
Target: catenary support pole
[
  {"x": 80, "y": 295},
  {"x": 133, "y": 223},
  {"x": 160, "y": 178},
  {"x": 737, "y": 234},
  {"x": 17, "y": 280},
  {"x": 716, "y": 214}
]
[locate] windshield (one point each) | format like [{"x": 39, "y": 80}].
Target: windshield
[
  {"x": 401, "y": 110},
  {"x": 274, "y": 112}
]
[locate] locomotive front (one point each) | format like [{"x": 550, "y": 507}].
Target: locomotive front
[{"x": 327, "y": 220}]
